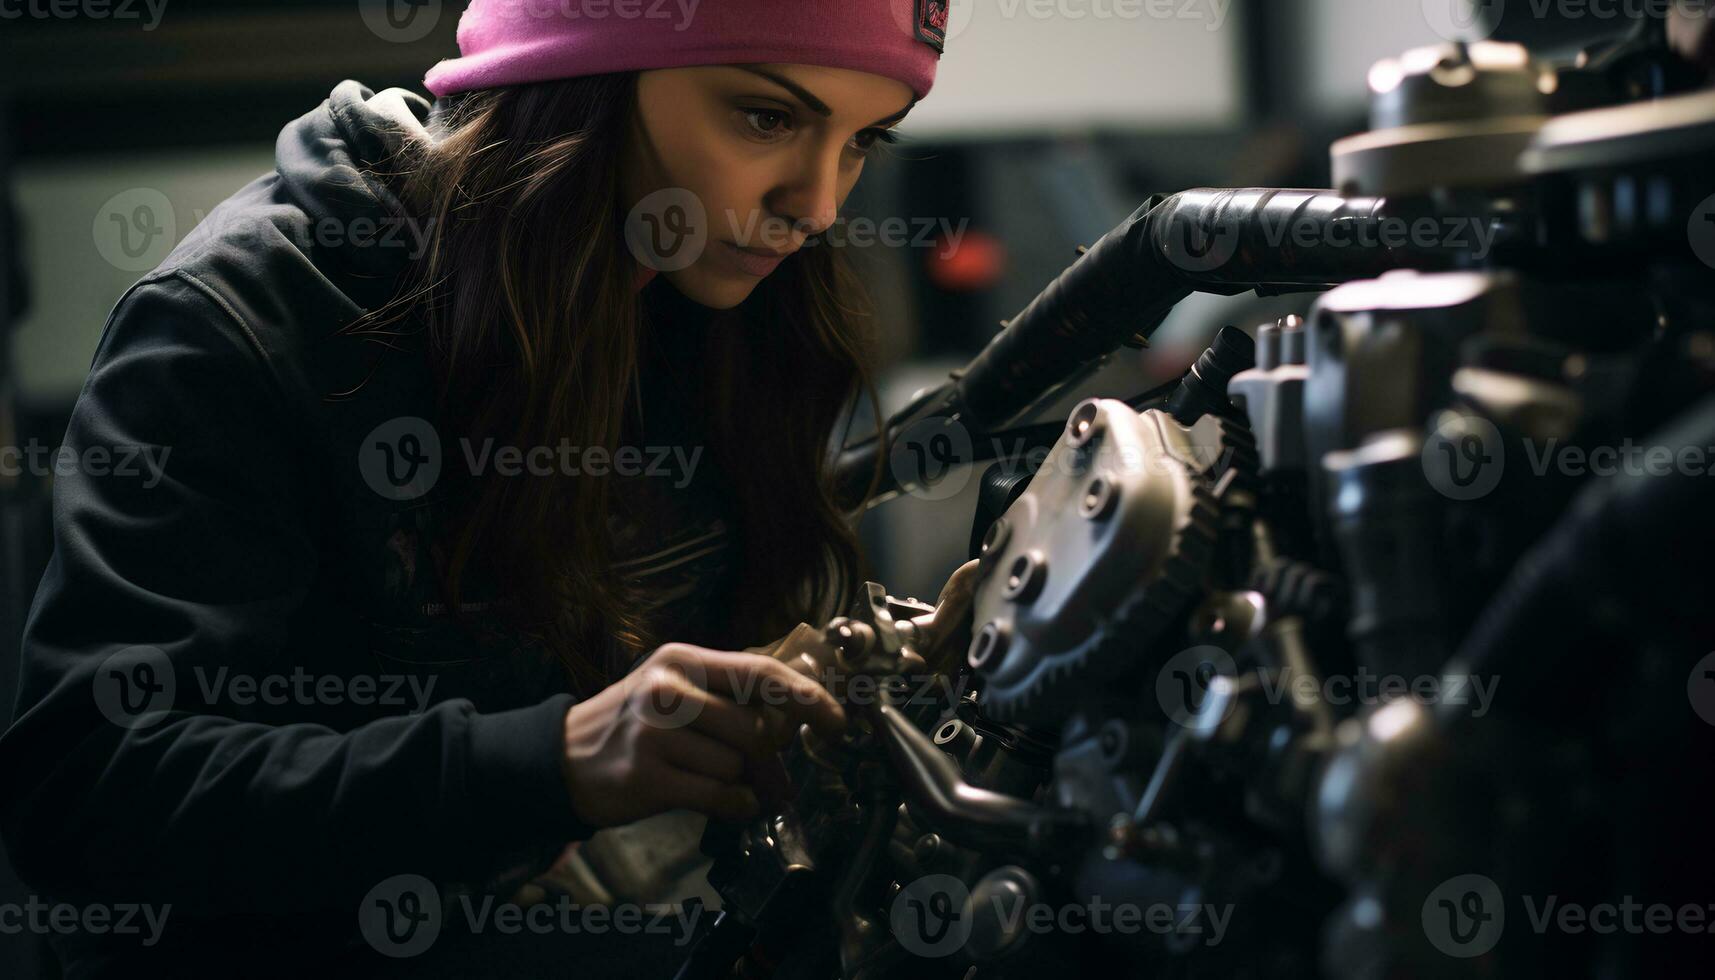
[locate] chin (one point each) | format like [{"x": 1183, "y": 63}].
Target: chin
[{"x": 717, "y": 292}]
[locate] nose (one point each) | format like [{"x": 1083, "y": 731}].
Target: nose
[{"x": 810, "y": 199}]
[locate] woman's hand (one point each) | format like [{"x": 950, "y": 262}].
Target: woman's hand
[{"x": 689, "y": 728}]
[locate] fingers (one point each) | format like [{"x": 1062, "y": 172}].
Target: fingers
[
  {"x": 668, "y": 699},
  {"x": 695, "y": 752},
  {"x": 695, "y": 791},
  {"x": 963, "y": 580},
  {"x": 755, "y": 679}
]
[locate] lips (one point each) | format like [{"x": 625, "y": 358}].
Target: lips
[
  {"x": 764, "y": 253},
  {"x": 755, "y": 261}
]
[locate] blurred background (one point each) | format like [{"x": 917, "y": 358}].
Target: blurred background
[{"x": 1051, "y": 121}]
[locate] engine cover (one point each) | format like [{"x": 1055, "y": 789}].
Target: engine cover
[{"x": 1102, "y": 552}]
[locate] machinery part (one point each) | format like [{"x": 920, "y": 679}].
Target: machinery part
[
  {"x": 1386, "y": 517},
  {"x": 1160, "y": 654},
  {"x": 1450, "y": 115},
  {"x": 1203, "y": 391},
  {"x": 1272, "y": 394},
  {"x": 1105, "y": 548},
  {"x": 1222, "y": 241},
  {"x": 954, "y": 808},
  {"x": 1681, "y": 126}
]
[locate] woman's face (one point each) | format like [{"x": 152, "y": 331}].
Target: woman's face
[{"x": 767, "y": 152}]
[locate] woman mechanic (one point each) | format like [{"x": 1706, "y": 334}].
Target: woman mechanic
[{"x": 417, "y": 573}]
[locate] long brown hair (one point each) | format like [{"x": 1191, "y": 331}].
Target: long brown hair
[{"x": 525, "y": 294}]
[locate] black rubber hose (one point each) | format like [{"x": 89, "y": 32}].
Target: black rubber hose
[{"x": 1205, "y": 240}]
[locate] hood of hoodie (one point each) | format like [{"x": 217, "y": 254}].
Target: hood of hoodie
[{"x": 354, "y": 224}]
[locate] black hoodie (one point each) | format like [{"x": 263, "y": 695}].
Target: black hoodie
[{"x": 239, "y": 698}]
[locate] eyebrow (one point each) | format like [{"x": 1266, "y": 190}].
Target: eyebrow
[{"x": 816, "y": 105}]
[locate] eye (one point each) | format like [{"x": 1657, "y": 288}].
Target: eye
[
  {"x": 773, "y": 123},
  {"x": 867, "y": 140}
]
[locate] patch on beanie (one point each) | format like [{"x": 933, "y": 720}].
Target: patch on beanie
[{"x": 932, "y": 23}]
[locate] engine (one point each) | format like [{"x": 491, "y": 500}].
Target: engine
[{"x": 1378, "y": 644}]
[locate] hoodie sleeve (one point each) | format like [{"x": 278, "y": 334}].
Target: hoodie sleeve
[{"x": 202, "y": 561}]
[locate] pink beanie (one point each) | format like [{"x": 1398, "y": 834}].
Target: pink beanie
[{"x": 506, "y": 42}]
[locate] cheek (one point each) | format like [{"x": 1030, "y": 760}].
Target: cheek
[{"x": 729, "y": 183}]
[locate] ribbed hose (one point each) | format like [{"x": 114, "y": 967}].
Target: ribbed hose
[{"x": 1206, "y": 240}]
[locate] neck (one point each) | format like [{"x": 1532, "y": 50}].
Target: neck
[{"x": 673, "y": 309}]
